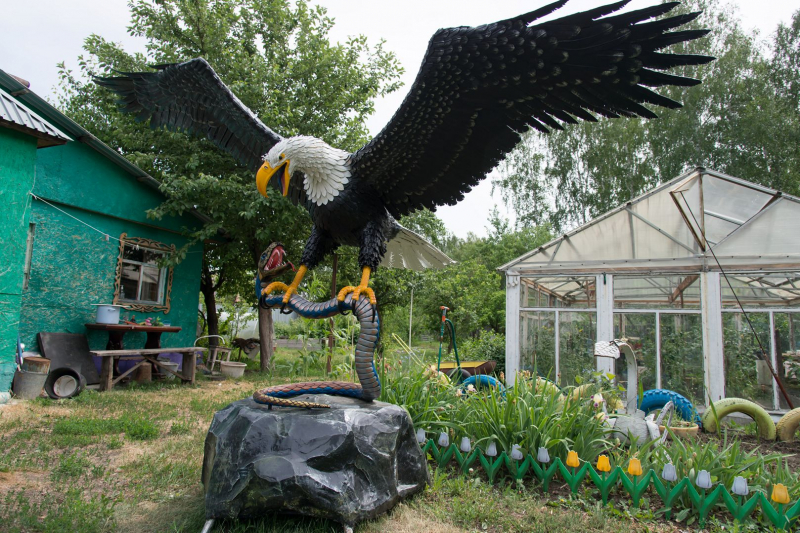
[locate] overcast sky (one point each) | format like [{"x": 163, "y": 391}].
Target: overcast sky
[{"x": 35, "y": 36}]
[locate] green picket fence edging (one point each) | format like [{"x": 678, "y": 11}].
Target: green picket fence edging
[{"x": 702, "y": 502}]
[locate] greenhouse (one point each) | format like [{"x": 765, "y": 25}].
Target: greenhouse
[{"x": 672, "y": 271}]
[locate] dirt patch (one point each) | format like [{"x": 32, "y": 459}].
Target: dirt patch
[
  {"x": 23, "y": 479},
  {"x": 750, "y": 443},
  {"x": 116, "y": 459},
  {"x": 405, "y": 519}
]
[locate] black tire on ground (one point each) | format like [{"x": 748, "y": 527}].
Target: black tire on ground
[{"x": 453, "y": 374}]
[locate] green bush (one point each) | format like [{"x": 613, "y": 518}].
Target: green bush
[{"x": 488, "y": 346}]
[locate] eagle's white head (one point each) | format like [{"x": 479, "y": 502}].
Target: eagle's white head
[{"x": 325, "y": 167}]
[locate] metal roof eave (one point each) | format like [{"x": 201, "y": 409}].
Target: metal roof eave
[
  {"x": 597, "y": 220},
  {"x": 17, "y": 116}
]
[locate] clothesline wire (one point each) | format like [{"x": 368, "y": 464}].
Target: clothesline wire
[{"x": 101, "y": 232}]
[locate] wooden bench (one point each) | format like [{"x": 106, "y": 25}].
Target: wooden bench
[{"x": 149, "y": 355}]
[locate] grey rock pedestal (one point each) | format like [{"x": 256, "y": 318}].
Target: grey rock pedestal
[{"x": 349, "y": 463}]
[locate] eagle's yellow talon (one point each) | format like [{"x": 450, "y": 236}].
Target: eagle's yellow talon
[
  {"x": 362, "y": 288},
  {"x": 288, "y": 289},
  {"x": 343, "y": 293},
  {"x": 275, "y": 285}
]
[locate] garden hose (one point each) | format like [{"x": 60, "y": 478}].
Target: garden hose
[
  {"x": 787, "y": 425},
  {"x": 721, "y": 408},
  {"x": 457, "y": 372}
]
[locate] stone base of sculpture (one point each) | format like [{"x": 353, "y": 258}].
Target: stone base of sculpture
[{"x": 349, "y": 463}]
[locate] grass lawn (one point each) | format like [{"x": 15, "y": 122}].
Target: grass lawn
[{"x": 130, "y": 460}]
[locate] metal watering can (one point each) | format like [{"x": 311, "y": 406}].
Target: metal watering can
[{"x": 633, "y": 424}]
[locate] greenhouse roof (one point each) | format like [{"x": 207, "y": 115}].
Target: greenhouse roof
[{"x": 677, "y": 228}]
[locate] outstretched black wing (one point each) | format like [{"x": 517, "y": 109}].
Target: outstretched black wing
[
  {"x": 479, "y": 88},
  {"x": 190, "y": 97}
]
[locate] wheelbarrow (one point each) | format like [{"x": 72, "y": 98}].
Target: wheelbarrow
[{"x": 467, "y": 372}]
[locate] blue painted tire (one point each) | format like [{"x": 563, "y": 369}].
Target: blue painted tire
[
  {"x": 482, "y": 380},
  {"x": 658, "y": 398}
]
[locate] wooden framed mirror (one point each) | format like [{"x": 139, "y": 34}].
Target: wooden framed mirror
[{"x": 141, "y": 283}]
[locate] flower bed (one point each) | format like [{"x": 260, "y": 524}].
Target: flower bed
[{"x": 516, "y": 433}]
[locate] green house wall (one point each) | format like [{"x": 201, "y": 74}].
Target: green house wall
[
  {"x": 17, "y": 162},
  {"x": 73, "y": 266}
]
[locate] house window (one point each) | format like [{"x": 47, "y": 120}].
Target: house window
[
  {"x": 142, "y": 284},
  {"x": 142, "y": 277}
]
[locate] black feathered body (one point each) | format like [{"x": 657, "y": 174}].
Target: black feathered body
[{"x": 353, "y": 218}]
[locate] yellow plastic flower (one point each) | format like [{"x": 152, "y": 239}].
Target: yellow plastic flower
[
  {"x": 780, "y": 494},
  {"x": 603, "y": 464},
  {"x": 572, "y": 459},
  {"x": 635, "y": 467}
]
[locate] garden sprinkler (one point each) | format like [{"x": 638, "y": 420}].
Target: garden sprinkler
[{"x": 447, "y": 321}]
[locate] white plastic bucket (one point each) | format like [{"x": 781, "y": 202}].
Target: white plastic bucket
[
  {"x": 232, "y": 369},
  {"x": 107, "y": 314},
  {"x": 169, "y": 364}
]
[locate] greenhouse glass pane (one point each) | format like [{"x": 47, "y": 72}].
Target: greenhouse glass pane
[
  {"x": 577, "y": 335},
  {"x": 676, "y": 291},
  {"x": 537, "y": 343},
  {"x": 788, "y": 352},
  {"x": 640, "y": 331},
  {"x": 682, "y": 356},
  {"x": 746, "y": 376},
  {"x": 761, "y": 289},
  {"x": 559, "y": 291}
]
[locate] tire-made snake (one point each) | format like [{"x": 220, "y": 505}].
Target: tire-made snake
[{"x": 370, "y": 387}]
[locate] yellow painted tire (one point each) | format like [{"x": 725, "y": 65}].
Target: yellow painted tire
[
  {"x": 545, "y": 386},
  {"x": 583, "y": 391},
  {"x": 787, "y": 425},
  {"x": 722, "y": 408}
]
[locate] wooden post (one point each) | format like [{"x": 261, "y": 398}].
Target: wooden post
[
  {"x": 189, "y": 365},
  {"x": 512, "y": 327},
  {"x": 107, "y": 373},
  {"x": 713, "y": 343},
  {"x": 604, "y": 284}
]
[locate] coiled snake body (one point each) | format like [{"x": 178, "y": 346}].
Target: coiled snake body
[{"x": 370, "y": 387}]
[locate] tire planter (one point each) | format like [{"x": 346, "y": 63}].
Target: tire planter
[
  {"x": 482, "y": 380},
  {"x": 787, "y": 425},
  {"x": 724, "y": 407},
  {"x": 658, "y": 398},
  {"x": 63, "y": 383},
  {"x": 681, "y": 432}
]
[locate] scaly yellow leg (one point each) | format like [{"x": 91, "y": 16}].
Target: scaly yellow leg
[
  {"x": 290, "y": 289},
  {"x": 364, "y": 287}
]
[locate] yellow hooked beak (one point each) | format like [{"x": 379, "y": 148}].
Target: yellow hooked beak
[{"x": 266, "y": 172}]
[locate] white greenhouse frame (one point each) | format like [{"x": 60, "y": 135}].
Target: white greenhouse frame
[{"x": 660, "y": 248}]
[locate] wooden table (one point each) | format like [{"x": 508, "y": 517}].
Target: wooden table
[
  {"x": 149, "y": 356},
  {"x": 117, "y": 331}
]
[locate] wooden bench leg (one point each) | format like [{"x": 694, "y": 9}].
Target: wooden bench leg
[
  {"x": 189, "y": 366},
  {"x": 107, "y": 374}
]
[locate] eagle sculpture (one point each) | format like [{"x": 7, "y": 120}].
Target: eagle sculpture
[{"x": 477, "y": 90}]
